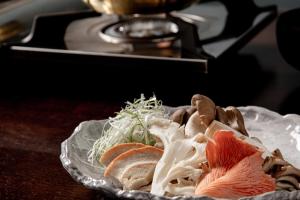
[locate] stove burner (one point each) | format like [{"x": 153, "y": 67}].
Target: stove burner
[
  {"x": 140, "y": 30},
  {"x": 204, "y": 34},
  {"x": 185, "y": 35}
]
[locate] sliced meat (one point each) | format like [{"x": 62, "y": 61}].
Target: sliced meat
[
  {"x": 138, "y": 176},
  {"x": 130, "y": 157},
  {"x": 116, "y": 150}
]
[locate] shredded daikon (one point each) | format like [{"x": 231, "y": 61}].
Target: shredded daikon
[{"x": 129, "y": 125}]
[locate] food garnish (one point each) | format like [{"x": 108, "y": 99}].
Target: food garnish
[{"x": 129, "y": 125}]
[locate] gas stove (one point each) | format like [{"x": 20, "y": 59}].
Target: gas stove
[{"x": 191, "y": 38}]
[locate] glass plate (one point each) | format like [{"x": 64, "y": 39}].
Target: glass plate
[{"x": 273, "y": 129}]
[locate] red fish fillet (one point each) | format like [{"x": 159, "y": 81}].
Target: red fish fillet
[{"x": 236, "y": 169}]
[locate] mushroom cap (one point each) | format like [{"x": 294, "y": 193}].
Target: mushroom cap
[
  {"x": 246, "y": 178},
  {"x": 205, "y": 106},
  {"x": 179, "y": 116},
  {"x": 216, "y": 126},
  {"x": 236, "y": 120},
  {"x": 182, "y": 115},
  {"x": 116, "y": 150},
  {"x": 221, "y": 115}
]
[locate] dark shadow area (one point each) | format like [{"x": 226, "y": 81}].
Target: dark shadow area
[
  {"x": 237, "y": 80},
  {"x": 41, "y": 67},
  {"x": 291, "y": 103},
  {"x": 288, "y": 40}
]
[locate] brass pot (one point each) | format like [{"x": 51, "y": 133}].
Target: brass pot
[{"x": 126, "y": 7}]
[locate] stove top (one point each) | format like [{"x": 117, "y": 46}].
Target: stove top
[{"x": 194, "y": 37}]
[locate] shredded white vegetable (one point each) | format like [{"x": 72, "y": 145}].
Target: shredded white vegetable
[{"x": 129, "y": 125}]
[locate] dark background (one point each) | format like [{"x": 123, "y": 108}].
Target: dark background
[{"x": 256, "y": 75}]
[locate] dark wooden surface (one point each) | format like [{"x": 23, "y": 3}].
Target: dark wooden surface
[
  {"x": 31, "y": 132},
  {"x": 32, "y": 126}
]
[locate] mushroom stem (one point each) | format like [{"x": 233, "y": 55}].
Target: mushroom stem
[
  {"x": 236, "y": 120},
  {"x": 194, "y": 125},
  {"x": 206, "y": 108}
]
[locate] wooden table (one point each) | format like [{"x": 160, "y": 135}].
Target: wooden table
[
  {"x": 33, "y": 124},
  {"x": 31, "y": 132}
]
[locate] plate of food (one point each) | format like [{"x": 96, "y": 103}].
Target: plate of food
[{"x": 199, "y": 151}]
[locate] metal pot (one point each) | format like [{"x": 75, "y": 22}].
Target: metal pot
[{"x": 125, "y": 7}]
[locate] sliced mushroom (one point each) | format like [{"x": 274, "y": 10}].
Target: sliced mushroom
[{"x": 236, "y": 120}]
